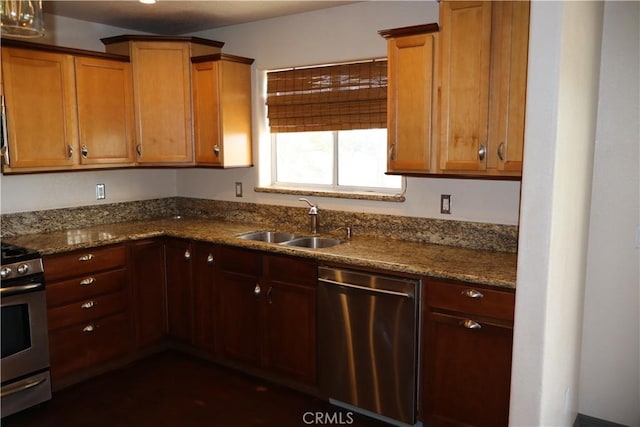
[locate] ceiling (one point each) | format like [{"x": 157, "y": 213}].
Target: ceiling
[{"x": 181, "y": 17}]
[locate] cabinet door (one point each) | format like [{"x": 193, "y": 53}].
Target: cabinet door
[
  {"x": 148, "y": 284},
  {"x": 466, "y": 54},
  {"x": 410, "y": 98},
  {"x": 204, "y": 303},
  {"x": 291, "y": 330},
  {"x": 510, "y": 38},
  {"x": 467, "y": 371},
  {"x": 222, "y": 112},
  {"x": 162, "y": 94},
  {"x": 41, "y": 108},
  {"x": 178, "y": 256},
  {"x": 105, "y": 111}
]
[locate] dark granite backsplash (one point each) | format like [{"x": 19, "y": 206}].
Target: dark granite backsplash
[{"x": 491, "y": 237}]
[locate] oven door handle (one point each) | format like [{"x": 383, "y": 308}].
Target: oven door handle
[
  {"x": 21, "y": 386},
  {"x": 20, "y": 289}
]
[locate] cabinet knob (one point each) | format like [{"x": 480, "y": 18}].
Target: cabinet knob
[
  {"x": 84, "y": 151},
  {"x": 70, "y": 152},
  {"x": 88, "y": 281},
  {"x": 139, "y": 150},
  {"x": 482, "y": 151},
  {"x": 501, "y": 151},
  {"x": 187, "y": 255},
  {"x": 470, "y": 324},
  {"x": 85, "y": 258},
  {"x": 87, "y": 305},
  {"x": 392, "y": 152},
  {"x": 210, "y": 259},
  {"x": 472, "y": 293},
  {"x": 90, "y": 327},
  {"x": 216, "y": 150},
  {"x": 257, "y": 290}
]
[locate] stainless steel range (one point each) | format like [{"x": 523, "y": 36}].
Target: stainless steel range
[{"x": 24, "y": 367}]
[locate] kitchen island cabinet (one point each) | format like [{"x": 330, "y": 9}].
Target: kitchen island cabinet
[
  {"x": 467, "y": 347},
  {"x": 268, "y": 312}
]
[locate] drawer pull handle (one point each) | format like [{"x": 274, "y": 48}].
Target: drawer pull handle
[
  {"x": 257, "y": 290},
  {"x": 187, "y": 255},
  {"x": 87, "y": 305},
  {"x": 470, "y": 324},
  {"x": 90, "y": 327},
  {"x": 472, "y": 293},
  {"x": 210, "y": 259},
  {"x": 84, "y": 258},
  {"x": 88, "y": 281}
]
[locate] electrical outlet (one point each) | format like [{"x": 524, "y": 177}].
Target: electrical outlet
[
  {"x": 445, "y": 204},
  {"x": 100, "y": 192},
  {"x": 238, "y": 189}
]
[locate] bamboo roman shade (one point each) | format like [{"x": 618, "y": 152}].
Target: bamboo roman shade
[{"x": 328, "y": 98}]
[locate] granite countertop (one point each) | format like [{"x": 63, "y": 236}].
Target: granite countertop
[{"x": 448, "y": 262}]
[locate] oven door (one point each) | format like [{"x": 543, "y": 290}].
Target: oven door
[{"x": 25, "y": 343}]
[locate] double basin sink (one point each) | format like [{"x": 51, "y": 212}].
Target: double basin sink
[{"x": 291, "y": 239}]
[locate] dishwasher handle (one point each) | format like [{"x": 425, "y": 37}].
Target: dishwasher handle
[{"x": 367, "y": 289}]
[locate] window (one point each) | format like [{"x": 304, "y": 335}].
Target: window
[{"x": 328, "y": 127}]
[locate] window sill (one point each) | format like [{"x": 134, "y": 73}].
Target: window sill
[{"x": 380, "y": 197}]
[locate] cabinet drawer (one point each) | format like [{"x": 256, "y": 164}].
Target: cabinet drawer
[
  {"x": 83, "y": 287},
  {"x": 83, "y": 345},
  {"x": 86, "y": 310},
  {"x": 241, "y": 261},
  {"x": 471, "y": 300},
  {"x": 290, "y": 270},
  {"x": 82, "y": 262}
]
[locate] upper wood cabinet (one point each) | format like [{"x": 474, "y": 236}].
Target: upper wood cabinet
[
  {"x": 41, "y": 116},
  {"x": 162, "y": 94},
  {"x": 222, "y": 110},
  {"x": 410, "y": 97},
  {"x": 105, "y": 111},
  {"x": 483, "y": 59},
  {"x": 65, "y": 109}
]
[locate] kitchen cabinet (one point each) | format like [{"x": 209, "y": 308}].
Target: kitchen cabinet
[
  {"x": 268, "y": 312},
  {"x": 222, "y": 110},
  {"x": 41, "y": 111},
  {"x": 179, "y": 264},
  {"x": 65, "y": 109},
  {"x": 467, "y": 347},
  {"x": 87, "y": 308},
  {"x": 161, "y": 68},
  {"x": 105, "y": 111},
  {"x": 204, "y": 298},
  {"x": 483, "y": 60},
  {"x": 147, "y": 274},
  {"x": 411, "y": 92}
]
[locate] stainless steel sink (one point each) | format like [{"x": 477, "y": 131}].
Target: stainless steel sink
[
  {"x": 314, "y": 242},
  {"x": 268, "y": 236}
]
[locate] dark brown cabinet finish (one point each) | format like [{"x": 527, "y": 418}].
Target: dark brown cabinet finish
[
  {"x": 178, "y": 258},
  {"x": 467, "y": 347},
  {"x": 147, "y": 269},
  {"x": 204, "y": 302},
  {"x": 87, "y": 309},
  {"x": 268, "y": 312}
]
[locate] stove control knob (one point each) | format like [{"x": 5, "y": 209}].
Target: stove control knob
[
  {"x": 5, "y": 272},
  {"x": 23, "y": 269}
]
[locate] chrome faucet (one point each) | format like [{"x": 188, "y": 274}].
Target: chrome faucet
[{"x": 313, "y": 215}]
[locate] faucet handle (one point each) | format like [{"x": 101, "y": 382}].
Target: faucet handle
[{"x": 347, "y": 229}]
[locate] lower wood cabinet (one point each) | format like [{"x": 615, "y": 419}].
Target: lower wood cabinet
[
  {"x": 147, "y": 274},
  {"x": 467, "y": 347},
  {"x": 179, "y": 264},
  {"x": 204, "y": 301},
  {"x": 267, "y": 313},
  {"x": 88, "y": 309}
]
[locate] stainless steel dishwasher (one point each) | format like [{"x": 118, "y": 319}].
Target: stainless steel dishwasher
[{"x": 368, "y": 341}]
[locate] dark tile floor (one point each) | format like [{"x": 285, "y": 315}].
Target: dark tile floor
[{"x": 178, "y": 390}]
